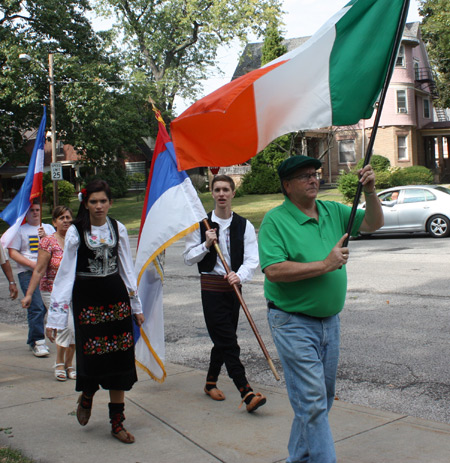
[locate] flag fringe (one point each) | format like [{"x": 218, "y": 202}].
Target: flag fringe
[{"x": 155, "y": 356}]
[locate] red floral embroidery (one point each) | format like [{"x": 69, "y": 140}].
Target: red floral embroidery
[
  {"x": 104, "y": 345},
  {"x": 94, "y": 315}
]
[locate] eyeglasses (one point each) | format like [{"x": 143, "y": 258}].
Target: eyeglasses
[{"x": 306, "y": 177}]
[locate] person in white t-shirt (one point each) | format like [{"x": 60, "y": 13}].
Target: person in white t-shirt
[{"x": 24, "y": 250}]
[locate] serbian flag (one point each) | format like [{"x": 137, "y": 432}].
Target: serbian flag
[
  {"x": 332, "y": 79},
  {"x": 171, "y": 210},
  {"x": 31, "y": 188}
]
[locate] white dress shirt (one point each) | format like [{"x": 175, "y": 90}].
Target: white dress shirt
[{"x": 195, "y": 251}]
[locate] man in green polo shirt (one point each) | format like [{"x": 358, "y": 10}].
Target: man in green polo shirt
[{"x": 303, "y": 259}]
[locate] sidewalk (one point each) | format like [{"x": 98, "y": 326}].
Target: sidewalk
[{"x": 175, "y": 422}]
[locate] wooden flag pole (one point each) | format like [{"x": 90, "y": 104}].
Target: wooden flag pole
[
  {"x": 397, "y": 41},
  {"x": 245, "y": 308},
  {"x": 40, "y": 211}
]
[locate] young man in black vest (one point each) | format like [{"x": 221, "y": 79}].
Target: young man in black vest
[{"x": 237, "y": 240}]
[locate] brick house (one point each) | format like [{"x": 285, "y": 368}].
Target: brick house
[
  {"x": 11, "y": 177},
  {"x": 411, "y": 130}
]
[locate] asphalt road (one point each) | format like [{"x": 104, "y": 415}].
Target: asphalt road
[{"x": 395, "y": 325}]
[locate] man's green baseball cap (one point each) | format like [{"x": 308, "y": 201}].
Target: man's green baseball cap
[{"x": 291, "y": 164}]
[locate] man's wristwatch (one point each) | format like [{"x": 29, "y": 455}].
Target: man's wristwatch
[{"x": 12, "y": 282}]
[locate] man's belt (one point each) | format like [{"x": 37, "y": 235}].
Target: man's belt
[
  {"x": 217, "y": 283},
  {"x": 271, "y": 305}
]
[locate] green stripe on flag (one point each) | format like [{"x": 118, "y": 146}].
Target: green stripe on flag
[{"x": 359, "y": 59}]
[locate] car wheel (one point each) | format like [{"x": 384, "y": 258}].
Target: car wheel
[{"x": 438, "y": 226}]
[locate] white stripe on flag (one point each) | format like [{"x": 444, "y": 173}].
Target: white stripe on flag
[
  {"x": 170, "y": 218},
  {"x": 150, "y": 348},
  {"x": 39, "y": 166}
]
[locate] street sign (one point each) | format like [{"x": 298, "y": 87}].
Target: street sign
[{"x": 56, "y": 168}]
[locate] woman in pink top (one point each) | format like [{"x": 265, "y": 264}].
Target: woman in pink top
[{"x": 51, "y": 250}]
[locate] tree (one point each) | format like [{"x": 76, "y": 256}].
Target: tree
[
  {"x": 97, "y": 110},
  {"x": 170, "y": 43},
  {"x": 34, "y": 28},
  {"x": 436, "y": 33},
  {"x": 263, "y": 177},
  {"x": 273, "y": 46},
  {"x": 102, "y": 115}
]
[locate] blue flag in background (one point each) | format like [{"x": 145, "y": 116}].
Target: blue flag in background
[{"x": 14, "y": 214}]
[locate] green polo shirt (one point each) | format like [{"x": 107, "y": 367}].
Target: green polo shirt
[{"x": 287, "y": 234}]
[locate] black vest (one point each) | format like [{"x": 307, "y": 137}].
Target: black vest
[
  {"x": 98, "y": 259},
  {"x": 237, "y": 231}
]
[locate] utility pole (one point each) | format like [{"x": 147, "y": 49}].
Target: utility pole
[{"x": 53, "y": 122}]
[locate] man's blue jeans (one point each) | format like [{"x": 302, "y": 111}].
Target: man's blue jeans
[
  {"x": 36, "y": 312},
  {"x": 309, "y": 352}
]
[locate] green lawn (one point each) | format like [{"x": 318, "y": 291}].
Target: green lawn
[
  {"x": 254, "y": 207},
  {"x": 8, "y": 455},
  {"x": 128, "y": 210}
]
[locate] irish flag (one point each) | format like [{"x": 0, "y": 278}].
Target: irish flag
[{"x": 333, "y": 79}]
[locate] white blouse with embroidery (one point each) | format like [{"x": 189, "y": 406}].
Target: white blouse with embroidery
[{"x": 61, "y": 297}]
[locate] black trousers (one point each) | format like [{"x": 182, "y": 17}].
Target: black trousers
[{"x": 221, "y": 311}]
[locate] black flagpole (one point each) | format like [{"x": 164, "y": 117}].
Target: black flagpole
[{"x": 398, "y": 38}]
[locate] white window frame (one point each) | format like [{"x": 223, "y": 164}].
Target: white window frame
[
  {"x": 349, "y": 154},
  {"x": 401, "y": 109},
  {"x": 402, "y": 148},
  {"x": 426, "y": 106},
  {"x": 400, "y": 61}
]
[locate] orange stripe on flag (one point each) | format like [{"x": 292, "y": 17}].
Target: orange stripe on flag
[{"x": 220, "y": 126}]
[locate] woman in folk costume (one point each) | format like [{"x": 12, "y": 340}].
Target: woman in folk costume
[{"x": 97, "y": 275}]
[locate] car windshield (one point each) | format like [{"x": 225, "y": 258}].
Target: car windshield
[{"x": 443, "y": 189}]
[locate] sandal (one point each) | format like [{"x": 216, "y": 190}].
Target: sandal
[
  {"x": 71, "y": 373},
  {"x": 214, "y": 393},
  {"x": 60, "y": 375},
  {"x": 116, "y": 419},
  {"x": 257, "y": 401},
  {"x": 124, "y": 436}
]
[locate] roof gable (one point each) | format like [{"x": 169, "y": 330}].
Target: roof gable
[{"x": 251, "y": 56}]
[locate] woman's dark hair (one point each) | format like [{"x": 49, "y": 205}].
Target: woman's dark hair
[
  {"x": 95, "y": 186},
  {"x": 59, "y": 210}
]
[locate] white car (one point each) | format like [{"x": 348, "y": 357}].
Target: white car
[{"x": 415, "y": 208}]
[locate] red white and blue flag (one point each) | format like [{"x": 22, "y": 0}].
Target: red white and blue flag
[
  {"x": 31, "y": 187},
  {"x": 171, "y": 210}
]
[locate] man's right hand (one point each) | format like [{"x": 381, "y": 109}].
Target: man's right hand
[
  {"x": 210, "y": 236},
  {"x": 41, "y": 232},
  {"x": 13, "y": 291},
  {"x": 338, "y": 256}
]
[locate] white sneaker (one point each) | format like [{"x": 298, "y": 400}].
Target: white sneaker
[{"x": 40, "y": 349}]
